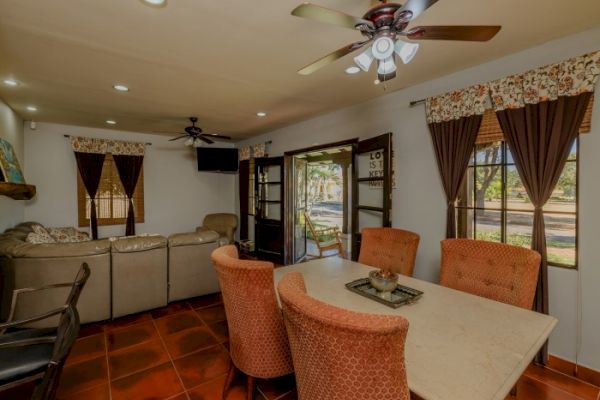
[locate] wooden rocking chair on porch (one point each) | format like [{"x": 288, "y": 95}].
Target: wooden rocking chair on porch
[{"x": 331, "y": 236}]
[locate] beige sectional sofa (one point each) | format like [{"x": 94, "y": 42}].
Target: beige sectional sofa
[
  {"x": 190, "y": 267},
  {"x": 129, "y": 274}
]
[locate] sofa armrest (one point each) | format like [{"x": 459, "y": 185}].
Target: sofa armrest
[{"x": 193, "y": 238}]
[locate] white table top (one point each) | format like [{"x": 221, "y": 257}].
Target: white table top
[{"x": 459, "y": 346}]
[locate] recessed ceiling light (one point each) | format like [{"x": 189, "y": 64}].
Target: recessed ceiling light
[
  {"x": 261, "y": 114},
  {"x": 31, "y": 108},
  {"x": 155, "y": 3},
  {"x": 352, "y": 70},
  {"x": 121, "y": 88},
  {"x": 10, "y": 82},
  {"x": 376, "y": 81},
  {"x": 111, "y": 122}
]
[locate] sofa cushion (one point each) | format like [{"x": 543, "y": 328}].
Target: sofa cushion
[
  {"x": 68, "y": 234},
  {"x": 130, "y": 244},
  {"x": 16, "y": 248},
  {"x": 192, "y": 238}
]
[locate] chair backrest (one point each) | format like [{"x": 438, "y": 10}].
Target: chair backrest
[
  {"x": 340, "y": 354},
  {"x": 389, "y": 248},
  {"x": 66, "y": 334},
  {"x": 220, "y": 220},
  {"x": 257, "y": 339},
  {"x": 496, "y": 271},
  {"x": 81, "y": 279}
]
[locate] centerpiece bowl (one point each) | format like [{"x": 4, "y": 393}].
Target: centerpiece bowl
[{"x": 383, "y": 281}]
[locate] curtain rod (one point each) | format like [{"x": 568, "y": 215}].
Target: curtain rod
[
  {"x": 416, "y": 102},
  {"x": 147, "y": 143}
]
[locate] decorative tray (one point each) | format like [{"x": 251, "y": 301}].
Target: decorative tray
[{"x": 398, "y": 297}]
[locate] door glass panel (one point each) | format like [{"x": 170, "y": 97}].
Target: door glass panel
[
  {"x": 271, "y": 173},
  {"x": 272, "y": 192},
  {"x": 300, "y": 166},
  {"x": 370, "y": 164},
  {"x": 272, "y": 211},
  {"x": 369, "y": 195},
  {"x": 369, "y": 219}
]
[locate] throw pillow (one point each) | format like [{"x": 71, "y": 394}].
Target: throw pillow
[
  {"x": 39, "y": 238},
  {"x": 68, "y": 234}
]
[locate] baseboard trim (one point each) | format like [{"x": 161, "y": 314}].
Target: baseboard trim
[{"x": 569, "y": 368}]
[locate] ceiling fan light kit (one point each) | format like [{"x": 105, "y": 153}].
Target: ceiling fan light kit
[{"x": 382, "y": 26}]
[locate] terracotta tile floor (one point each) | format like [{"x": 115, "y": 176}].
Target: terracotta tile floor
[{"x": 180, "y": 352}]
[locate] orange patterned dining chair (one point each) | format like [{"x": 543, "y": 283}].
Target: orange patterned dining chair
[
  {"x": 390, "y": 249},
  {"x": 496, "y": 271},
  {"x": 341, "y": 354},
  {"x": 257, "y": 339}
]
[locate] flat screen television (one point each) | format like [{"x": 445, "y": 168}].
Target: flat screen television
[{"x": 217, "y": 159}]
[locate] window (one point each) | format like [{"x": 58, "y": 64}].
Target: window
[
  {"x": 111, "y": 201},
  {"x": 493, "y": 204}
]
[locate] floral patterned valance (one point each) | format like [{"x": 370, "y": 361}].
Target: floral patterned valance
[
  {"x": 259, "y": 150},
  {"x": 457, "y": 104},
  {"x": 103, "y": 146},
  {"x": 568, "y": 78},
  {"x": 244, "y": 153}
]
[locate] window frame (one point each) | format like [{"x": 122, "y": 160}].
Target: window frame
[
  {"x": 503, "y": 210},
  {"x": 83, "y": 200}
]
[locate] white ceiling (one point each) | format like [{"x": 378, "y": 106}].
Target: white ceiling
[{"x": 225, "y": 60}]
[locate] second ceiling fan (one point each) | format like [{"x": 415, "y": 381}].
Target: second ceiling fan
[{"x": 383, "y": 26}]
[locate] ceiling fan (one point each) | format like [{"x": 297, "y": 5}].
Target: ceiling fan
[
  {"x": 383, "y": 26},
  {"x": 195, "y": 137}
]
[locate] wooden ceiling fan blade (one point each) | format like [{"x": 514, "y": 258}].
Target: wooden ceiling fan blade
[
  {"x": 179, "y": 137},
  {"x": 474, "y": 33},
  {"x": 329, "y": 16},
  {"x": 331, "y": 57},
  {"x": 205, "y": 139},
  {"x": 214, "y": 135},
  {"x": 415, "y": 7}
]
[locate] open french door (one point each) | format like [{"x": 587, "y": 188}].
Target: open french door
[
  {"x": 269, "y": 234},
  {"x": 300, "y": 168},
  {"x": 371, "y": 187}
]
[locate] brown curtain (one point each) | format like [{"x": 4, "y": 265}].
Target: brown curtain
[
  {"x": 129, "y": 168},
  {"x": 540, "y": 137},
  {"x": 90, "y": 170},
  {"x": 244, "y": 177},
  {"x": 453, "y": 142}
]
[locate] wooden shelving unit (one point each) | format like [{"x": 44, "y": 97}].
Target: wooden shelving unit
[{"x": 17, "y": 191}]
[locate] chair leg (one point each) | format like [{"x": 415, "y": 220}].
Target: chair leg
[
  {"x": 250, "y": 388},
  {"x": 229, "y": 381}
]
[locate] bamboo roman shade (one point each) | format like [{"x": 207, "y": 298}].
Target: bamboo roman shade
[{"x": 490, "y": 130}]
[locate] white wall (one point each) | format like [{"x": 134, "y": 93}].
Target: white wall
[
  {"x": 11, "y": 130},
  {"x": 176, "y": 195},
  {"x": 418, "y": 200}
]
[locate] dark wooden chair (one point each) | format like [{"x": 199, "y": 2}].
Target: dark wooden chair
[{"x": 38, "y": 355}]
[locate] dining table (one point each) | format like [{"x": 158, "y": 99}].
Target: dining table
[{"x": 459, "y": 346}]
